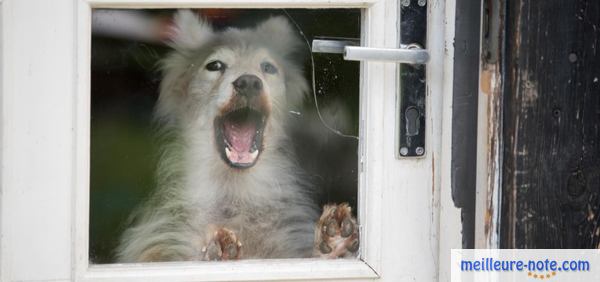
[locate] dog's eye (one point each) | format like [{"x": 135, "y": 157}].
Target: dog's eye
[
  {"x": 215, "y": 66},
  {"x": 268, "y": 68}
]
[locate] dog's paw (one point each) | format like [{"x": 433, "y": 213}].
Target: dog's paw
[
  {"x": 222, "y": 244},
  {"x": 336, "y": 234}
]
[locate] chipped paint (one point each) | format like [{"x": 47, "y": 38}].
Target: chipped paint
[
  {"x": 492, "y": 219},
  {"x": 529, "y": 90},
  {"x": 491, "y": 84}
]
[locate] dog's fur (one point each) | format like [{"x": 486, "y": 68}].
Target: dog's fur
[{"x": 267, "y": 207}]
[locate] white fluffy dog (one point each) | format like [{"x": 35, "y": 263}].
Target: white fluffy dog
[{"x": 228, "y": 185}]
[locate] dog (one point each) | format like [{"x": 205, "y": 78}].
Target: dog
[{"x": 228, "y": 183}]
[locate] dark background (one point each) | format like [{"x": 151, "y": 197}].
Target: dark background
[{"x": 124, "y": 90}]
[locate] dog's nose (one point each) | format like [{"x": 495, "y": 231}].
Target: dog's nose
[{"x": 248, "y": 85}]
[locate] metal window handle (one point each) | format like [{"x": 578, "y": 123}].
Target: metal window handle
[
  {"x": 411, "y": 56},
  {"x": 406, "y": 54}
]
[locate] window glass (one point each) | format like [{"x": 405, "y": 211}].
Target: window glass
[{"x": 222, "y": 136}]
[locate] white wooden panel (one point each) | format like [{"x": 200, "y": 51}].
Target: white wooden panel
[
  {"x": 248, "y": 270},
  {"x": 450, "y": 222},
  {"x": 232, "y": 3},
  {"x": 37, "y": 99},
  {"x": 45, "y": 156},
  {"x": 1, "y": 141},
  {"x": 411, "y": 187},
  {"x": 371, "y": 176}
]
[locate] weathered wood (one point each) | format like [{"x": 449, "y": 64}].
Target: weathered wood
[{"x": 551, "y": 181}]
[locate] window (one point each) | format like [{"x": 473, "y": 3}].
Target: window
[
  {"x": 125, "y": 91},
  {"x": 403, "y": 205}
]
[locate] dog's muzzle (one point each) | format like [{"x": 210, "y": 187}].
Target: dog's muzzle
[
  {"x": 248, "y": 85},
  {"x": 240, "y": 126}
]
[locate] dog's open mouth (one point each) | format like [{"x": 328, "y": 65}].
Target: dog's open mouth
[{"x": 239, "y": 136}]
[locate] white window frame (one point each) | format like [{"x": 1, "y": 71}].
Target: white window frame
[{"x": 408, "y": 222}]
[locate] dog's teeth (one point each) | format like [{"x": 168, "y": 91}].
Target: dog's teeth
[
  {"x": 228, "y": 152},
  {"x": 254, "y": 154}
]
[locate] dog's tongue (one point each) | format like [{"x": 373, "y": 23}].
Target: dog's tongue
[{"x": 240, "y": 135}]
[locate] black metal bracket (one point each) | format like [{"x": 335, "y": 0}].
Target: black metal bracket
[{"x": 412, "y": 93}]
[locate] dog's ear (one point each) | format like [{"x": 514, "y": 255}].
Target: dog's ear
[
  {"x": 189, "y": 31},
  {"x": 281, "y": 34},
  {"x": 284, "y": 38}
]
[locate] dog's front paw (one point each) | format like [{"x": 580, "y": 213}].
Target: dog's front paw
[
  {"x": 222, "y": 244},
  {"x": 336, "y": 234}
]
